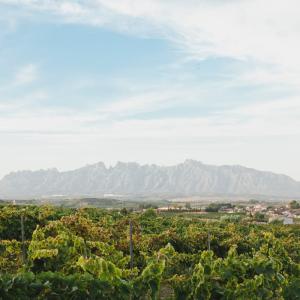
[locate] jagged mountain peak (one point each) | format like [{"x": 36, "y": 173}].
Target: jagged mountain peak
[{"x": 188, "y": 178}]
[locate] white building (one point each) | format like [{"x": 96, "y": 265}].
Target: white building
[{"x": 288, "y": 221}]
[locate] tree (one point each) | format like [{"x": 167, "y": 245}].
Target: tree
[{"x": 294, "y": 204}]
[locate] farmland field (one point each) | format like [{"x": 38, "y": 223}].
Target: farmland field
[{"x": 63, "y": 253}]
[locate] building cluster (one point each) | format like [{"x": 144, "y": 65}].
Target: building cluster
[
  {"x": 262, "y": 213},
  {"x": 284, "y": 214}
]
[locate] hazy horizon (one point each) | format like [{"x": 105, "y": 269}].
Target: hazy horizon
[{"x": 149, "y": 81}]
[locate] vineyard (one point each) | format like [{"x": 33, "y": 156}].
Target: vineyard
[{"x": 89, "y": 253}]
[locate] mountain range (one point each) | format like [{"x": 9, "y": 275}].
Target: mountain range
[{"x": 190, "y": 178}]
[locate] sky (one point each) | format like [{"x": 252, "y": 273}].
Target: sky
[{"x": 151, "y": 81}]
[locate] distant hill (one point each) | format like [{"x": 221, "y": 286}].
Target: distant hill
[{"x": 185, "y": 179}]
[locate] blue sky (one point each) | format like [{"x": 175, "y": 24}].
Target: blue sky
[{"x": 149, "y": 81}]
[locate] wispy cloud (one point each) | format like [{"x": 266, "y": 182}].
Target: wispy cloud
[
  {"x": 260, "y": 119},
  {"x": 26, "y": 74},
  {"x": 261, "y": 35},
  {"x": 262, "y": 31}
]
